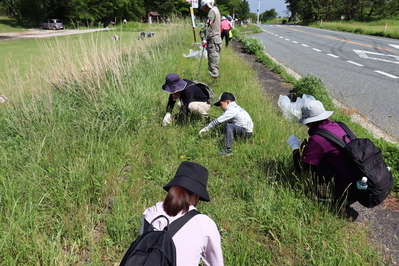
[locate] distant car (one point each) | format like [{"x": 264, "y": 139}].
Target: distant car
[{"x": 52, "y": 24}]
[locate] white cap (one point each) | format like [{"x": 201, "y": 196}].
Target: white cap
[{"x": 208, "y": 3}]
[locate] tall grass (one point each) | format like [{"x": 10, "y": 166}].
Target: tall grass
[
  {"x": 83, "y": 154},
  {"x": 383, "y": 28}
]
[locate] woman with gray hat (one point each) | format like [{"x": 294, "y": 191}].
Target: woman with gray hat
[
  {"x": 320, "y": 155},
  {"x": 199, "y": 239}
]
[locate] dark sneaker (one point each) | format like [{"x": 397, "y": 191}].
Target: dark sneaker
[
  {"x": 225, "y": 152},
  {"x": 351, "y": 213}
]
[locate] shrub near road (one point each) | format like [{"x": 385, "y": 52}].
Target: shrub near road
[{"x": 83, "y": 159}]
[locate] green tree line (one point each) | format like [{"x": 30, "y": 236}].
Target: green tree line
[
  {"x": 361, "y": 10},
  {"x": 94, "y": 11}
]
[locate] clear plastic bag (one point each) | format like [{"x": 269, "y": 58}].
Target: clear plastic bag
[
  {"x": 197, "y": 54},
  {"x": 292, "y": 110}
]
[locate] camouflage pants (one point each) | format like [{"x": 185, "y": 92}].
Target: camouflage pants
[{"x": 213, "y": 50}]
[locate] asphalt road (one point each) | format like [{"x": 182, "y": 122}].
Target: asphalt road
[{"x": 362, "y": 72}]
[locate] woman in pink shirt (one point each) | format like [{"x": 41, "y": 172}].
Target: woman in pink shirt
[
  {"x": 225, "y": 27},
  {"x": 199, "y": 239}
]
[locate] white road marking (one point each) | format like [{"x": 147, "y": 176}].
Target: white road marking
[
  {"x": 386, "y": 74},
  {"x": 354, "y": 63},
  {"x": 378, "y": 56},
  {"x": 294, "y": 41},
  {"x": 317, "y": 50},
  {"x": 333, "y": 55},
  {"x": 305, "y": 45},
  {"x": 287, "y": 39},
  {"x": 394, "y": 46}
]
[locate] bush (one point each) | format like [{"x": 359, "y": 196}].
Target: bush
[
  {"x": 359, "y": 30},
  {"x": 252, "y": 45},
  {"x": 312, "y": 85}
]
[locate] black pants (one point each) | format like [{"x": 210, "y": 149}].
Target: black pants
[{"x": 226, "y": 33}]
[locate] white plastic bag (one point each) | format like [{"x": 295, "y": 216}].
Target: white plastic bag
[
  {"x": 292, "y": 110},
  {"x": 197, "y": 54}
]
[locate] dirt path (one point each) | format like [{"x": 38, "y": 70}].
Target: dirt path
[
  {"x": 37, "y": 33},
  {"x": 382, "y": 220}
]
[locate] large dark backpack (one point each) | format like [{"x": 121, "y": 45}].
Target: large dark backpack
[
  {"x": 207, "y": 90},
  {"x": 156, "y": 247},
  {"x": 367, "y": 160}
]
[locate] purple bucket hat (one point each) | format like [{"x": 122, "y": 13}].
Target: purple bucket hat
[{"x": 173, "y": 83}]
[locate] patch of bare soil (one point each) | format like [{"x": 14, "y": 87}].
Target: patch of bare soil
[{"x": 382, "y": 220}]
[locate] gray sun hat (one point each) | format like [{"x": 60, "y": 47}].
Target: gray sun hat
[
  {"x": 173, "y": 83},
  {"x": 192, "y": 177},
  {"x": 313, "y": 111}
]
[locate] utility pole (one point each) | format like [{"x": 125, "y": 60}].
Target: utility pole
[{"x": 258, "y": 11}]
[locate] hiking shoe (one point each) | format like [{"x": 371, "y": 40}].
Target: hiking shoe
[
  {"x": 225, "y": 152},
  {"x": 351, "y": 213}
]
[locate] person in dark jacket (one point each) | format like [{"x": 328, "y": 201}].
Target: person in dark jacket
[
  {"x": 323, "y": 157},
  {"x": 192, "y": 98}
]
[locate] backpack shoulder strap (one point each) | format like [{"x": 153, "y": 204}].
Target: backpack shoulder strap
[
  {"x": 149, "y": 227},
  {"x": 330, "y": 136},
  {"x": 349, "y": 132},
  {"x": 177, "y": 224}
]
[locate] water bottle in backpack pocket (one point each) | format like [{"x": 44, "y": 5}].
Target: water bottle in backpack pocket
[{"x": 362, "y": 184}]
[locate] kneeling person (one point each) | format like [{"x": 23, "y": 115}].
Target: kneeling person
[
  {"x": 238, "y": 121},
  {"x": 192, "y": 98}
]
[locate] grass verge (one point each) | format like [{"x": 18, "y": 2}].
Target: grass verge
[
  {"x": 312, "y": 85},
  {"x": 83, "y": 154},
  {"x": 382, "y": 28}
]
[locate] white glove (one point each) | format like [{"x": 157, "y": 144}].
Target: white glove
[
  {"x": 293, "y": 142},
  {"x": 204, "y": 44},
  {"x": 205, "y": 129},
  {"x": 3, "y": 99},
  {"x": 167, "y": 119}
]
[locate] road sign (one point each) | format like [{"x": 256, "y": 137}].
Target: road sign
[{"x": 194, "y": 3}]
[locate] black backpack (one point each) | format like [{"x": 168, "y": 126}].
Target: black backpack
[
  {"x": 156, "y": 247},
  {"x": 207, "y": 90},
  {"x": 367, "y": 160}
]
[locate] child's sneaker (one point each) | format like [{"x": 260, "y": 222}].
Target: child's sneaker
[{"x": 225, "y": 152}]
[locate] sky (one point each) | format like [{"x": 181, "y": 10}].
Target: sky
[{"x": 278, "y": 5}]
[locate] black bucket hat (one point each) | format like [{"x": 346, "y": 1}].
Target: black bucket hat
[
  {"x": 173, "y": 83},
  {"x": 225, "y": 96},
  {"x": 192, "y": 177}
]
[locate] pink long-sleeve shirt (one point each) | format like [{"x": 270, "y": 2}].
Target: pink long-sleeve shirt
[{"x": 198, "y": 239}]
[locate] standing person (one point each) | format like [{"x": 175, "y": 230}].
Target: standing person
[
  {"x": 238, "y": 122},
  {"x": 210, "y": 35},
  {"x": 326, "y": 159},
  {"x": 192, "y": 98},
  {"x": 225, "y": 29},
  {"x": 199, "y": 238}
]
